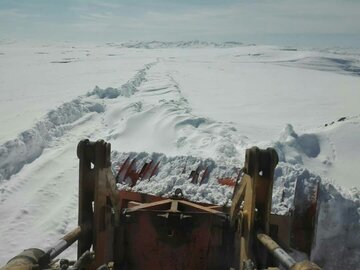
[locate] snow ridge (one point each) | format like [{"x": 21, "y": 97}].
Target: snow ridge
[
  {"x": 344, "y": 65},
  {"x": 175, "y": 44},
  {"x": 291, "y": 146},
  {"x": 14, "y": 154},
  {"x": 126, "y": 90}
]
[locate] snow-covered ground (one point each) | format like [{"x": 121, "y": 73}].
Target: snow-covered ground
[{"x": 181, "y": 103}]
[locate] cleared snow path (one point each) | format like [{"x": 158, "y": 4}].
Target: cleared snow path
[{"x": 159, "y": 119}]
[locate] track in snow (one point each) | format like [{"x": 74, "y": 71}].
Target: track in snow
[{"x": 39, "y": 204}]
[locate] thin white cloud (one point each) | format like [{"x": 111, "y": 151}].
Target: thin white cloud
[
  {"x": 215, "y": 22},
  {"x": 14, "y": 14},
  {"x": 103, "y": 4},
  {"x": 97, "y": 16},
  {"x": 271, "y": 17}
]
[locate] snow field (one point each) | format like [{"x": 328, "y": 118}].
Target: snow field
[{"x": 41, "y": 77}]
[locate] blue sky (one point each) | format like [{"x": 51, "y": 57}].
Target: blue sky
[{"x": 293, "y": 22}]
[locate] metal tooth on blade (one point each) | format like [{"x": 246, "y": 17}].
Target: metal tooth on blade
[
  {"x": 155, "y": 170},
  {"x": 132, "y": 173},
  {"x": 194, "y": 175},
  {"x": 120, "y": 177},
  {"x": 149, "y": 170},
  {"x": 205, "y": 176},
  {"x": 145, "y": 169}
]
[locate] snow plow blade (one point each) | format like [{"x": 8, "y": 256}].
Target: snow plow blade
[{"x": 123, "y": 229}]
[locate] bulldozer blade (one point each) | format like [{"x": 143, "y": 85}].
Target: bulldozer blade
[
  {"x": 304, "y": 215},
  {"x": 205, "y": 176}
]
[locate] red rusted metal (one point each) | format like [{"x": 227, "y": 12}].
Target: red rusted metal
[
  {"x": 231, "y": 181},
  {"x": 132, "y": 173},
  {"x": 120, "y": 177},
  {"x": 227, "y": 182},
  {"x": 145, "y": 169},
  {"x": 128, "y": 171},
  {"x": 126, "y": 196},
  {"x": 149, "y": 170},
  {"x": 165, "y": 233}
]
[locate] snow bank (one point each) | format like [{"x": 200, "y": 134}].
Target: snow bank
[
  {"x": 291, "y": 147},
  {"x": 286, "y": 177},
  {"x": 14, "y": 154},
  {"x": 126, "y": 90},
  {"x": 348, "y": 65}
]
